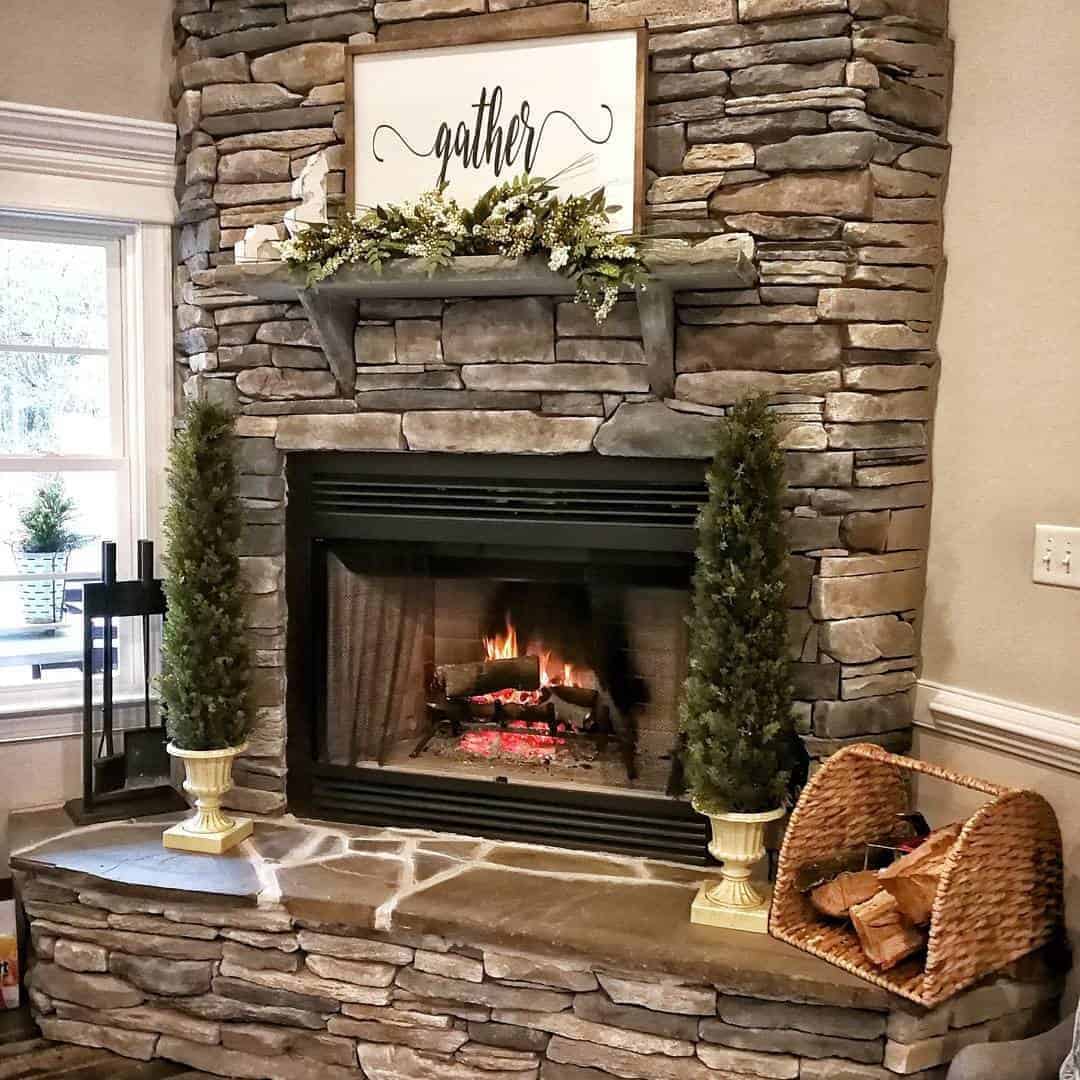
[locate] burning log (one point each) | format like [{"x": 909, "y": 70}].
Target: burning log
[
  {"x": 912, "y": 880},
  {"x": 885, "y": 934},
  {"x": 489, "y": 676},
  {"x": 836, "y": 898}
]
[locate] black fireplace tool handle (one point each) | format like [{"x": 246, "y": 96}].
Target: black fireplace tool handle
[
  {"x": 144, "y": 748},
  {"x": 146, "y": 576},
  {"x": 108, "y": 575},
  {"x": 110, "y": 768}
]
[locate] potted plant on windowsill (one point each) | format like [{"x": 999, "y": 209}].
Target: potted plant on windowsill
[
  {"x": 740, "y": 748},
  {"x": 206, "y": 663},
  {"x": 44, "y": 546}
]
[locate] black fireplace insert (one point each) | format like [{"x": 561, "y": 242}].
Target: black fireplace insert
[{"x": 492, "y": 645}]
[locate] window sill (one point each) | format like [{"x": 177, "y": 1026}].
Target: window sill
[{"x": 60, "y": 718}]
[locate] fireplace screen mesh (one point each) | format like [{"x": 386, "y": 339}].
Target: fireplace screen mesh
[{"x": 548, "y": 673}]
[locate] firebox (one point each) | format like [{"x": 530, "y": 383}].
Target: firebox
[{"x": 492, "y": 645}]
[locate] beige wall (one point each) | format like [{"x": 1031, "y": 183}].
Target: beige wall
[
  {"x": 44, "y": 772},
  {"x": 1007, "y": 428},
  {"x": 101, "y": 56},
  {"x": 1006, "y": 449}
]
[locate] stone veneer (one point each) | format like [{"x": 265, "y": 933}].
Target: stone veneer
[
  {"x": 813, "y": 128},
  {"x": 344, "y": 953}
]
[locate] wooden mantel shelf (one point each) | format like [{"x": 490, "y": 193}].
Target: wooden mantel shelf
[{"x": 720, "y": 262}]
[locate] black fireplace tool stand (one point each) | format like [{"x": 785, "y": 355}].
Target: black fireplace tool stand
[{"x": 133, "y": 781}]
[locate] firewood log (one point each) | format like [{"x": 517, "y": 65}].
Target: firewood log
[
  {"x": 884, "y": 934},
  {"x": 489, "y": 676},
  {"x": 584, "y": 696},
  {"x": 835, "y": 898},
  {"x": 913, "y": 879},
  {"x": 574, "y": 705}
]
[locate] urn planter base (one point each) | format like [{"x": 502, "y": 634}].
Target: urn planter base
[
  {"x": 755, "y": 920},
  {"x": 209, "y": 776},
  {"x": 736, "y": 901},
  {"x": 180, "y": 838}
]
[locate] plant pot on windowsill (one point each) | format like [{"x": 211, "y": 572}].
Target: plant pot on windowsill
[
  {"x": 42, "y": 601},
  {"x": 209, "y": 777},
  {"x": 736, "y": 901},
  {"x": 45, "y": 540}
]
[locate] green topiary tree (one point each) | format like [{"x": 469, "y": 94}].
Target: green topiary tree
[
  {"x": 206, "y": 669},
  {"x": 738, "y": 734}
]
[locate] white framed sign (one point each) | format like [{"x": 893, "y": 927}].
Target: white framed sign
[{"x": 473, "y": 115}]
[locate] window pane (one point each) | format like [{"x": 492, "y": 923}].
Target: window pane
[
  {"x": 52, "y": 403},
  {"x": 41, "y": 621},
  {"x": 53, "y": 294}
]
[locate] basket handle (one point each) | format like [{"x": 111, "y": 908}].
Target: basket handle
[{"x": 876, "y": 753}]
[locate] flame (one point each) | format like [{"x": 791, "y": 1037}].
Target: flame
[{"x": 553, "y": 671}]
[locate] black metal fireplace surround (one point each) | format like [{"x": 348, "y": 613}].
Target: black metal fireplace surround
[{"x": 585, "y": 521}]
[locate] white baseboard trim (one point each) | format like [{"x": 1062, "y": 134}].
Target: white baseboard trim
[
  {"x": 76, "y": 162},
  {"x": 1048, "y": 738}
]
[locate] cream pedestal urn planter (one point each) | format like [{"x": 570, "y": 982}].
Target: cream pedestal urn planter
[
  {"x": 209, "y": 777},
  {"x": 735, "y": 901}
]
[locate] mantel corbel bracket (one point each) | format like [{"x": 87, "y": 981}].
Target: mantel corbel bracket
[{"x": 334, "y": 316}]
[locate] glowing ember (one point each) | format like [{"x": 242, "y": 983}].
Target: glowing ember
[
  {"x": 553, "y": 671},
  {"x": 492, "y": 743}
]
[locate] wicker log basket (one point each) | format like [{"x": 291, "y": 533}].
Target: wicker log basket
[{"x": 999, "y": 897}]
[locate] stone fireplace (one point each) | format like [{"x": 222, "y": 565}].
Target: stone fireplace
[{"x": 803, "y": 140}]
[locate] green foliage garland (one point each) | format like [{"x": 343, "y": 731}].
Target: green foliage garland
[
  {"x": 206, "y": 676},
  {"x": 521, "y": 217},
  {"x": 43, "y": 525},
  {"x": 740, "y": 747}
]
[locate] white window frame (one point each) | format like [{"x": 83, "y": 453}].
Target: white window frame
[
  {"x": 125, "y": 461},
  {"x": 79, "y": 174}
]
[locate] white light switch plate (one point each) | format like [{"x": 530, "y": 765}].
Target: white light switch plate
[{"x": 1057, "y": 556}]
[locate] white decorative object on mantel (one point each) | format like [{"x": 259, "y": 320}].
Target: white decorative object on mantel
[
  {"x": 310, "y": 188},
  {"x": 259, "y": 243}
]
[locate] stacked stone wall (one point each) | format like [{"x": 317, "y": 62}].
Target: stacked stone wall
[
  {"x": 814, "y": 127},
  {"x": 254, "y": 992}
]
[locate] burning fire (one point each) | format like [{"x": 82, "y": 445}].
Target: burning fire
[
  {"x": 521, "y": 738},
  {"x": 553, "y": 671}
]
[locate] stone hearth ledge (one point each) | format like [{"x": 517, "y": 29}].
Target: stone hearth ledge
[
  {"x": 328, "y": 951},
  {"x": 456, "y": 915},
  {"x": 619, "y": 910}
]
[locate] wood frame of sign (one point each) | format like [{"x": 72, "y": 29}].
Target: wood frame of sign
[{"x": 457, "y": 38}]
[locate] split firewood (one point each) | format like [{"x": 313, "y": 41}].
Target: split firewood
[
  {"x": 884, "y": 934},
  {"x": 489, "y": 676},
  {"x": 836, "y": 898},
  {"x": 913, "y": 879}
]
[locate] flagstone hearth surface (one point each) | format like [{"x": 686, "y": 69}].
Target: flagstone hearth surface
[
  {"x": 622, "y": 910},
  {"x": 345, "y": 951}
]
